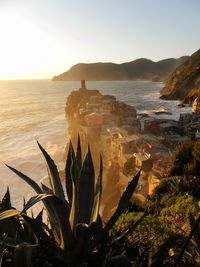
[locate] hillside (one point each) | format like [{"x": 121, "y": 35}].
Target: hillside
[
  {"x": 139, "y": 69},
  {"x": 184, "y": 82}
]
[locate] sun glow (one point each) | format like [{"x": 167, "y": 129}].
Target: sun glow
[{"x": 24, "y": 49}]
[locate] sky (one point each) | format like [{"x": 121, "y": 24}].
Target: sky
[{"x": 43, "y": 38}]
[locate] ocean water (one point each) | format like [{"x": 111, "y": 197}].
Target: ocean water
[{"x": 34, "y": 110}]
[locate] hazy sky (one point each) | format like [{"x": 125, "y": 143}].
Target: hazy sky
[{"x": 42, "y": 38}]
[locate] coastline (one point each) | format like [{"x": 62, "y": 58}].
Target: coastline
[{"x": 37, "y": 103}]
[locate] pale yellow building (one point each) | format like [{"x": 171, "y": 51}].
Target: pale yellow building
[{"x": 196, "y": 105}]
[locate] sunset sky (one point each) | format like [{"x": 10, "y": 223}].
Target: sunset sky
[{"x": 42, "y": 38}]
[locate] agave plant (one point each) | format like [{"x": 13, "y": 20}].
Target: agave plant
[{"x": 77, "y": 236}]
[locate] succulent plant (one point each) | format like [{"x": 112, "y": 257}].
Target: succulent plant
[{"x": 77, "y": 236}]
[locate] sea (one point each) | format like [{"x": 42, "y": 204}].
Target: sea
[{"x": 32, "y": 110}]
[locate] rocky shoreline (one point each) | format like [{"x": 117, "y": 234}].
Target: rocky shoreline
[{"x": 126, "y": 140}]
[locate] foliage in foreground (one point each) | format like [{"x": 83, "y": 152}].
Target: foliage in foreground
[{"x": 75, "y": 234}]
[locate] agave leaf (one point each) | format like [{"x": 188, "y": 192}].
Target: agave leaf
[
  {"x": 6, "y": 203},
  {"x": 98, "y": 191},
  {"x": 99, "y": 222},
  {"x": 1, "y": 255},
  {"x": 24, "y": 202},
  {"x": 51, "y": 212},
  {"x": 54, "y": 177},
  {"x": 46, "y": 189},
  {"x": 23, "y": 254},
  {"x": 58, "y": 219},
  {"x": 39, "y": 232},
  {"x": 74, "y": 166},
  {"x": 35, "y": 199},
  {"x": 68, "y": 177},
  {"x": 9, "y": 214},
  {"x": 39, "y": 216},
  {"x": 27, "y": 179},
  {"x": 123, "y": 202},
  {"x": 75, "y": 196},
  {"x": 79, "y": 154},
  {"x": 18, "y": 229},
  {"x": 73, "y": 208},
  {"x": 2, "y": 247},
  {"x": 86, "y": 189},
  {"x": 58, "y": 214},
  {"x": 45, "y": 239}
]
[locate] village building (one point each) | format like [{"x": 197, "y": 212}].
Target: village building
[
  {"x": 140, "y": 159},
  {"x": 94, "y": 119},
  {"x": 153, "y": 181},
  {"x": 124, "y": 148},
  {"x": 196, "y": 106},
  {"x": 108, "y": 104}
]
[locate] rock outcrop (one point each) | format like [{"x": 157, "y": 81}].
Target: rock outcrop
[
  {"x": 184, "y": 82},
  {"x": 140, "y": 69},
  {"x": 96, "y": 118}
]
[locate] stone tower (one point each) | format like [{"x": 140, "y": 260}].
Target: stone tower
[{"x": 83, "y": 85}]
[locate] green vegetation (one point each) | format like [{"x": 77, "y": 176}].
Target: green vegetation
[{"x": 161, "y": 236}]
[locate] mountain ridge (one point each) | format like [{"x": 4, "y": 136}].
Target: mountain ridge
[{"x": 141, "y": 68}]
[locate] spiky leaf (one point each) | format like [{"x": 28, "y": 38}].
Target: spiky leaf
[
  {"x": 6, "y": 203},
  {"x": 9, "y": 214},
  {"x": 123, "y": 202},
  {"x": 79, "y": 154},
  {"x": 86, "y": 189},
  {"x": 39, "y": 216},
  {"x": 23, "y": 254},
  {"x": 98, "y": 191},
  {"x": 46, "y": 189},
  {"x": 58, "y": 214},
  {"x": 39, "y": 232},
  {"x": 27, "y": 179},
  {"x": 75, "y": 196},
  {"x": 35, "y": 199},
  {"x": 68, "y": 177},
  {"x": 54, "y": 177},
  {"x": 2, "y": 247}
]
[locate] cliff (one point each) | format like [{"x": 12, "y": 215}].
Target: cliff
[
  {"x": 184, "y": 82},
  {"x": 140, "y": 69}
]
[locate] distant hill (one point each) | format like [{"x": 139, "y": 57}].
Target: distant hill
[
  {"x": 184, "y": 82},
  {"x": 139, "y": 69}
]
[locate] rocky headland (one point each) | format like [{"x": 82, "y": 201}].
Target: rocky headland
[{"x": 184, "y": 82}]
